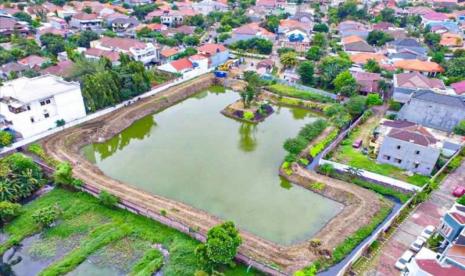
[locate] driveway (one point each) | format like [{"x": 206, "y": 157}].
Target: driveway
[{"x": 429, "y": 212}]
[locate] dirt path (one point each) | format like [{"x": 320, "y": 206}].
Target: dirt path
[{"x": 66, "y": 146}]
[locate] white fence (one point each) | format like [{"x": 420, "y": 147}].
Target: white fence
[{"x": 186, "y": 77}]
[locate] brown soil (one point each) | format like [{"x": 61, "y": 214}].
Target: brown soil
[{"x": 361, "y": 204}]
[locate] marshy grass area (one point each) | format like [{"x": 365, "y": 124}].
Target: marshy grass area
[{"x": 89, "y": 232}]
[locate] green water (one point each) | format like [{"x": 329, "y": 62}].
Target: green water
[{"x": 192, "y": 153}]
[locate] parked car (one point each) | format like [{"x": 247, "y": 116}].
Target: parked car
[
  {"x": 428, "y": 232},
  {"x": 417, "y": 244},
  {"x": 458, "y": 191},
  {"x": 404, "y": 260},
  {"x": 357, "y": 143}
]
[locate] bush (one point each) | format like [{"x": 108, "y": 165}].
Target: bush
[
  {"x": 108, "y": 199},
  {"x": 312, "y": 130},
  {"x": 63, "y": 174},
  {"x": 304, "y": 161},
  {"x": 295, "y": 145},
  {"x": 289, "y": 91},
  {"x": 317, "y": 186},
  {"x": 316, "y": 149},
  {"x": 248, "y": 115},
  {"x": 8, "y": 211},
  {"x": 394, "y": 106},
  {"x": 459, "y": 129},
  {"x": 374, "y": 99},
  {"x": 461, "y": 200},
  {"x": 326, "y": 169},
  {"x": 6, "y": 138},
  {"x": 46, "y": 216},
  {"x": 151, "y": 261},
  {"x": 39, "y": 151}
]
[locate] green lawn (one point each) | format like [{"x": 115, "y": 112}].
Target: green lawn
[
  {"x": 293, "y": 92},
  {"x": 97, "y": 227},
  {"x": 346, "y": 154}
]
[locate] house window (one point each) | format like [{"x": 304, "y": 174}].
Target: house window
[
  {"x": 417, "y": 165},
  {"x": 47, "y": 101},
  {"x": 387, "y": 157},
  {"x": 397, "y": 160},
  {"x": 417, "y": 152},
  {"x": 398, "y": 147},
  {"x": 32, "y": 119},
  {"x": 28, "y": 107},
  {"x": 46, "y": 115}
]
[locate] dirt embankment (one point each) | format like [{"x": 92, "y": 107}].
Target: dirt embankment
[{"x": 66, "y": 146}]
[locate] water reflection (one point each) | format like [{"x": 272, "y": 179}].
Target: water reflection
[
  {"x": 299, "y": 114},
  {"x": 247, "y": 138},
  {"x": 139, "y": 130}
]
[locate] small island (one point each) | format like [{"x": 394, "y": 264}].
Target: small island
[{"x": 249, "y": 108}]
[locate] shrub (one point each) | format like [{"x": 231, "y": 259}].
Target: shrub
[
  {"x": 460, "y": 128},
  {"x": 63, "y": 174},
  {"x": 303, "y": 161},
  {"x": 326, "y": 169},
  {"x": 39, "y": 151},
  {"x": 8, "y": 210},
  {"x": 108, "y": 199},
  {"x": 286, "y": 166},
  {"x": 316, "y": 149},
  {"x": 312, "y": 130},
  {"x": 290, "y": 157},
  {"x": 60, "y": 123},
  {"x": 295, "y": 145},
  {"x": 151, "y": 261},
  {"x": 461, "y": 200},
  {"x": 6, "y": 138},
  {"x": 394, "y": 106},
  {"x": 47, "y": 215},
  {"x": 374, "y": 99},
  {"x": 248, "y": 115},
  {"x": 317, "y": 186},
  {"x": 289, "y": 91}
]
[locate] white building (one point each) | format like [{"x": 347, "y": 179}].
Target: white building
[
  {"x": 207, "y": 6},
  {"x": 140, "y": 51},
  {"x": 30, "y": 106}
]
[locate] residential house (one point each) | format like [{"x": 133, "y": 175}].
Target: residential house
[
  {"x": 433, "y": 17},
  {"x": 123, "y": 25},
  {"x": 407, "y": 44},
  {"x": 350, "y": 28},
  {"x": 451, "y": 40},
  {"x": 140, "y": 51},
  {"x": 249, "y": 31},
  {"x": 438, "y": 111},
  {"x": 428, "y": 68},
  {"x": 295, "y": 31},
  {"x": 10, "y": 25},
  {"x": 361, "y": 59},
  {"x": 168, "y": 53},
  {"x": 216, "y": 53},
  {"x": 207, "y": 6},
  {"x": 265, "y": 66},
  {"x": 408, "y": 146},
  {"x": 367, "y": 82},
  {"x": 86, "y": 21},
  {"x": 62, "y": 69},
  {"x": 445, "y": 3},
  {"x": 458, "y": 87},
  {"x": 95, "y": 53},
  {"x": 138, "y": 2},
  {"x": 266, "y": 4},
  {"x": 426, "y": 263},
  {"x": 31, "y": 106},
  {"x": 405, "y": 84},
  {"x": 304, "y": 17},
  {"x": 452, "y": 223},
  {"x": 33, "y": 61},
  {"x": 180, "y": 66},
  {"x": 12, "y": 68},
  {"x": 356, "y": 44}
]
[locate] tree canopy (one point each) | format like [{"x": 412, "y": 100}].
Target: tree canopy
[{"x": 306, "y": 71}]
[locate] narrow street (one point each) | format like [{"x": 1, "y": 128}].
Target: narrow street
[{"x": 429, "y": 212}]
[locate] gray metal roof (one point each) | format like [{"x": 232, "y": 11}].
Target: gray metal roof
[{"x": 430, "y": 96}]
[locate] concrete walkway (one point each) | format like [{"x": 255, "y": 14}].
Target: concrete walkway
[
  {"x": 374, "y": 176},
  {"x": 429, "y": 212}
]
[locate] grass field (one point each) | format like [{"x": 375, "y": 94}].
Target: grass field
[
  {"x": 346, "y": 154},
  {"x": 100, "y": 227}
]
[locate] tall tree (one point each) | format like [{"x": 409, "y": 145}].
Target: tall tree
[{"x": 305, "y": 72}]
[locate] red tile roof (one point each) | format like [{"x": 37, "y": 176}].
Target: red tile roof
[
  {"x": 211, "y": 49},
  {"x": 414, "y": 134},
  {"x": 121, "y": 43},
  {"x": 85, "y": 16},
  {"x": 181, "y": 64},
  {"x": 459, "y": 87},
  {"x": 417, "y": 80},
  {"x": 434, "y": 268},
  {"x": 111, "y": 55},
  {"x": 418, "y": 65}
]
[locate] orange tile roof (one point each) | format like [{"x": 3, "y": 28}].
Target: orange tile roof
[
  {"x": 362, "y": 58},
  {"x": 351, "y": 39},
  {"x": 418, "y": 65},
  {"x": 449, "y": 39},
  {"x": 169, "y": 52}
]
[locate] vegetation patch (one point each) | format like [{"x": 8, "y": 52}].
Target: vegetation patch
[
  {"x": 289, "y": 91},
  {"x": 316, "y": 149},
  {"x": 150, "y": 262}
]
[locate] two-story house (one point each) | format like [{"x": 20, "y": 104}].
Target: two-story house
[
  {"x": 140, "y": 51},
  {"x": 408, "y": 146},
  {"x": 217, "y": 54},
  {"x": 86, "y": 21},
  {"x": 405, "y": 84},
  {"x": 30, "y": 106}
]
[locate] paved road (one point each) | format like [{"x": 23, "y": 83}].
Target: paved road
[{"x": 429, "y": 212}]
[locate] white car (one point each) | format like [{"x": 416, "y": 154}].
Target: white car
[
  {"x": 428, "y": 232},
  {"x": 417, "y": 244},
  {"x": 404, "y": 260}
]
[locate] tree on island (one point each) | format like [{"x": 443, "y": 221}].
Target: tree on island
[{"x": 220, "y": 247}]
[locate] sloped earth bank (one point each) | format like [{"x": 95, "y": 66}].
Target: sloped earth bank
[{"x": 66, "y": 146}]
